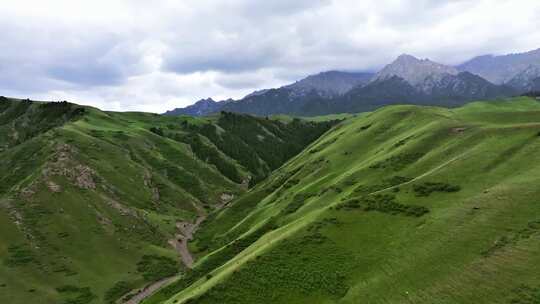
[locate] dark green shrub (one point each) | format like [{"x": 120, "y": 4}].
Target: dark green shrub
[
  {"x": 386, "y": 183},
  {"x": 157, "y": 130},
  {"x": 397, "y": 162},
  {"x": 76, "y": 295},
  {"x": 153, "y": 267},
  {"x": 384, "y": 203},
  {"x": 297, "y": 202},
  {"x": 19, "y": 256},
  {"x": 117, "y": 291},
  {"x": 362, "y": 128},
  {"x": 425, "y": 189}
]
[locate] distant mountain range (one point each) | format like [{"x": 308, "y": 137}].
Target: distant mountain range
[{"x": 407, "y": 80}]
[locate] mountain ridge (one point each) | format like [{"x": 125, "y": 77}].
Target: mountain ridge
[{"x": 434, "y": 83}]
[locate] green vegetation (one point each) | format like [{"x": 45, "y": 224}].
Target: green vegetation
[
  {"x": 382, "y": 203},
  {"x": 406, "y": 204},
  {"x": 425, "y": 189},
  {"x": 118, "y": 290},
  {"x": 76, "y": 295},
  {"x": 91, "y": 198},
  {"x": 385, "y": 184},
  {"x": 525, "y": 295},
  {"x": 153, "y": 268},
  {"x": 403, "y": 205},
  {"x": 397, "y": 162}
]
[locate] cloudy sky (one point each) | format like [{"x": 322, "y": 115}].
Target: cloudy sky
[{"x": 161, "y": 54}]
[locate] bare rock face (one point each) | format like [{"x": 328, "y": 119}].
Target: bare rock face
[
  {"x": 53, "y": 187},
  {"x": 527, "y": 80},
  {"x": 84, "y": 177},
  {"x": 64, "y": 164},
  {"x": 422, "y": 74},
  {"x": 433, "y": 81}
]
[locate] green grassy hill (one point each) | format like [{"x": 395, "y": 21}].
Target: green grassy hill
[
  {"x": 406, "y": 204},
  {"x": 90, "y": 199}
]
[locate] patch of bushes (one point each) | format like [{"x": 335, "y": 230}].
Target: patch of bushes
[
  {"x": 19, "y": 256},
  {"x": 76, "y": 295},
  {"x": 335, "y": 189},
  {"x": 118, "y": 290},
  {"x": 402, "y": 142},
  {"x": 64, "y": 269},
  {"x": 398, "y": 162},
  {"x": 425, "y": 189},
  {"x": 297, "y": 202},
  {"x": 363, "y": 128},
  {"x": 120, "y": 135},
  {"x": 296, "y": 267},
  {"x": 291, "y": 183},
  {"x": 384, "y": 203},
  {"x": 153, "y": 267},
  {"x": 157, "y": 131},
  {"x": 314, "y": 235}
]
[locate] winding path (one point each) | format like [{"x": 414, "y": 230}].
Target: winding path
[
  {"x": 148, "y": 290},
  {"x": 180, "y": 243}
]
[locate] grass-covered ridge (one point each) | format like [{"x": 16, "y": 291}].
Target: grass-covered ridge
[
  {"x": 89, "y": 199},
  {"x": 404, "y": 205}
]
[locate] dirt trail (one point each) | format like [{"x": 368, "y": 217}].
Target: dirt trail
[
  {"x": 187, "y": 229},
  {"x": 149, "y": 290},
  {"x": 429, "y": 172},
  {"x": 180, "y": 243}
]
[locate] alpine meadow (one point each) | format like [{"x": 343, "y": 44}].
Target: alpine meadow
[{"x": 244, "y": 152}]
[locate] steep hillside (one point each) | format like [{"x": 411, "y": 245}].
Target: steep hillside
[
  {"x": 94, "y": 204},
  {"x": 406, "y": 204}
]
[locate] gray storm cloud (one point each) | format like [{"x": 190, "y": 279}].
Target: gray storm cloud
[{"x": 152, "y": 56}]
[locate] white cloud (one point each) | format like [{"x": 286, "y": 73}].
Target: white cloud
[{"x": 156, "y": 55}]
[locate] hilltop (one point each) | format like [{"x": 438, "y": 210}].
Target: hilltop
[{"x": 405, "y": 204}]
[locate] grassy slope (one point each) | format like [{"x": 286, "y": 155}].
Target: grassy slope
[
  {"x": 86, "y": 194},
  {"x": 480, "y": 244}
]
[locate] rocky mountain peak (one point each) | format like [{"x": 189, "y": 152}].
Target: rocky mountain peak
[{"x": 415, "y": 71}]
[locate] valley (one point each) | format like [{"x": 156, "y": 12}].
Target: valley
[
  {"x": 90, "y": 199},
  {"x": 406, "y": 203},
  {"x": 270, "y": 152}
]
